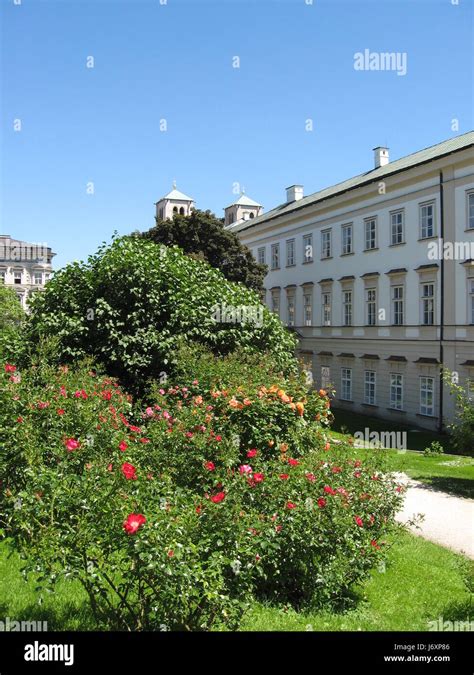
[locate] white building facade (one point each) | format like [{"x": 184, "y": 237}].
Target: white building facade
[
  {"x": 24, "y": 266},
  {"x": 359, "y": 271}
]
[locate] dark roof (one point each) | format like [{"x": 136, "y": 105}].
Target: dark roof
[
  {"x": 346, "y": 355},
  {"x": 396, "y": 358},
  {"x": 346, "y": 278},
  {"x": 323, "y": 281},
  {"x": 370, "y": 357},
  {"x": 397, "y": 270},
  {"x": 370, "y": 274},
  {"x": 426, "y": 267},
  {"x": 424, "y": 359}
]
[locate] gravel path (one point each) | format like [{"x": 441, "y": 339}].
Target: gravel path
[{"x": 448, "y": 520}]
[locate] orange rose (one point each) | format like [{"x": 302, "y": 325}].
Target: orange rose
[
  {"x": 300, "y": 408},
  {"x": 322, "y": 392}
]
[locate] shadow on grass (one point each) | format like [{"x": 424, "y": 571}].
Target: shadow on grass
[
  {"x": 69, "y": 616},
  {"x": 459, "y": 611},
  {"x": 460, "y": 487}
]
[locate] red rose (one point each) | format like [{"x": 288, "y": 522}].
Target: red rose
[
  {"x": 293, "y": 462},
  {"x": 10, "y": 368},
  {"x": 71, "y": 444},
  {"x": 123, "y": 446},
  {"x": 133, "y": 522},
  {"x": 210, "y": 466},
  {"x": 129, "y": 471},
  {"x": 290, "y": 505},
  {"x": 218, "y": 438},
  {"x": 170, "y": 553},
  {"x": 284, "y": 476},
  {"x": 311, "y": 477},
  {"x": 60, "y": 411},
  {"x": 252, "y": 453},
  {"x": 258, "y": 477},
  {"x": 321, "y": 502},
  {"x": 144, "y": 440},
  {"x": 329, "y": 490},
  {"x": 219, "y": 497},
  {"x": 359, "y": 521}
]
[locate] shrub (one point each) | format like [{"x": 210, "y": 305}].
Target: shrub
[
  {"x": 131, "y": 304},
  {"x": 462, "y": 429},
  {"x": 175, "y": 517},
  {"x": 12, "y": 318},
  {"x": 435, "y": 448}
]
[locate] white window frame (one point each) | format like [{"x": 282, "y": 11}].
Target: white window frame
[
  {"x": 347, "y": 239},
  {"x": 424, "y": 220},
  {"x": 326, "y": 308},
  {"x": 370, "y": 233},
  {"x": 427, "y": 301},
  {"x": 346, "y": 384},
  {"x": 36, "y": 276},
  {"x": 290, "y": 308},
  {"x": 325, "y": 377},
  {"x": 261, "y": 251},
  {"x": 290, "y": 253},
  {"x": 371, "y": 306},
  {"x": 396, "y": 391},
  {"x": 326, "y": 244},
  {"x": 370, "y": 387},
  {"x": 470, "y": 210},
  {"x": 307, "y": 308},
  {"x": 347, "y": 296},
  {"x": 276, "y": 302},
  {"x": 308, "y": 248},
  {"x": 275, "y": 256},
  {"x": 398, "y": 304},
  {"x": 427, "y": 389},
  {"x": 397, "y": 227}
]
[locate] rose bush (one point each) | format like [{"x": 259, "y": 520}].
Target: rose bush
[{"x": 173, "y": 513}]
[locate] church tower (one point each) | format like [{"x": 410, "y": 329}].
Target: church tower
[
  {"x": 244, "y": 208},
  {"x": 175, "y": 202}
]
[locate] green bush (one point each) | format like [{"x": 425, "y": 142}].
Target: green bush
[
  {"x": 12, "y": 317},
  {"x": 461, "y": 429},
  {"x": 131, "y": 304},
  {"x": 435, "y": 448},
  {"x": 174, "y": 514}
]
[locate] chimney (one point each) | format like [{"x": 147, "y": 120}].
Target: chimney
[
  {"x": 380, "y": 156},
  {"x": 294, "y": 193}
]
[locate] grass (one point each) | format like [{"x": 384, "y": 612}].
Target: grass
[
  {"x": 447, "y": 472},
  {"x": 420, "y": 582}
]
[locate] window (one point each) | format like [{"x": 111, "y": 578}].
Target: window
[
  {"x": 231, "y": 218},
  {"x": 347, "y": 308},
  {"x": 290, "y": 304},
  {"x": 325, "y": 377},
  {"x": 346, "y": 239},
  {"x": 2, "y": 276},
  {"x": 326, "y": 309},
  {"x": 471, "y": 300},
  {"x": 346, "y": 384},
  {"x": 251, "y": 215},
  {"x": 426, "y": 220},
  {"x": 470, "y": 210},
  {"x": 396, "y": 391},
  {"x": 17, "y": 277},
  {"x": 160, "y": 214},
  {"x": 175, "y": 209},
  {"x": 396, "y": 228},
  {"x": 37, "y": 278},
  {"x": 261, "y": 255},
  {"x": 307, "y": 308},
  {"x": 427, "y": 304},
  {"x": 371, "y": 306},
  {"x": 275, "y": 256},
  {"x": 276, "y": 301},
  {"x": 398, "y": 305},
  {"x": 308, "y": 248},
  {"x": 326, "y": 244},
  {"x": 181, "y": 211},
  {"x": 370, "y": 233},
  {"x": 427, "y": 396},
  {"x": 290, "y": 252},
  {"x": 369, "y": 387}
]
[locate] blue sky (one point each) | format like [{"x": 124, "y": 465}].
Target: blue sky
[{"x": 225, "y": 125}]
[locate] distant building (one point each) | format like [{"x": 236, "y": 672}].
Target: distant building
[
  {"x": 360, "y": 272},
  {"x": 241, "y": 210},
  {"x": 24, "y": 266},
  {"x": 174, "y": 203}
]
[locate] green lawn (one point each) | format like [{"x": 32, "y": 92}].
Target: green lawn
[
  {"x": 447, "y": 472},
  {"x": 421, "y": 582}
]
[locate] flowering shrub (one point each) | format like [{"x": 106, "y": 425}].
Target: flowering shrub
[{"x": 174, "y": 514}]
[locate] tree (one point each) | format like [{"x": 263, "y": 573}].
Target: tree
[
  {"x": 132, "y": 303},
  {"x": 11, "y": 319},
  {"x": 202, "y": 235}
]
